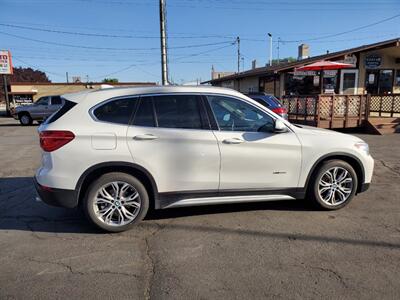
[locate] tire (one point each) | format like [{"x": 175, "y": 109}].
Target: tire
[
  {"x": 111, "y": 213},
  {"x": 329, "y": 193},
  {"x": 25, "y": 119}
]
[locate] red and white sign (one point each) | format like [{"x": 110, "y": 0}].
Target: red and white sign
[{"x": 5, "y": 62}]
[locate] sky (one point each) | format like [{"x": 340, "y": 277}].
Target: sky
[{"x": 95, "y": 39}]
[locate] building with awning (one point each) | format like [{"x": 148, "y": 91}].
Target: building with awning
[
  {"x": 366, "y": 92},
  {"x": 376, "y": 70}
]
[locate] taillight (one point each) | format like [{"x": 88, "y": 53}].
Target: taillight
[
  {"x": 280, "y": 110},
  {"x": 51, "y": 140}
]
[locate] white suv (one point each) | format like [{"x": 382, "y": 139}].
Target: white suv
[{"x": 117, "y": 152}]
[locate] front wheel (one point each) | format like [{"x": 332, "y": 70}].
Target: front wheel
[
  {"x": 333, "y": 185},
  {"x": 116, "y": 201}
]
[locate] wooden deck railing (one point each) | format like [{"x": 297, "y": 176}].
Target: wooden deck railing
[
  {"x": 385, "y": 105},
  {"x": 327, "y": 111}
]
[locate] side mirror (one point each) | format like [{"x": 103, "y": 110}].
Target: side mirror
[{"x": 280, "y": 127}]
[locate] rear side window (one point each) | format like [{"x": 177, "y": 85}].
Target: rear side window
[
  {"x": 145, "y": 115},
  {"x": 179, "y": 111},
  {"x": 116, "y": 111},
  {"x": 62, "y": 111},
  {"x": 56, "y": 100}
]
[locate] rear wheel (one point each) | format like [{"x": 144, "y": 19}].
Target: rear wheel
[
  {"x": 116, "y": 201},
  {"x": 25, "y": 119},
  {"x": 333, "y": 185}
]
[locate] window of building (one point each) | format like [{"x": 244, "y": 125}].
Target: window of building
[
  {"x": 236, "y": 115},
  {"x": 145, "y": 115},
  {"x": 397, "y": 79},
  {"x": 179, "y": 111},
  {"x": 117, "y": 111}
]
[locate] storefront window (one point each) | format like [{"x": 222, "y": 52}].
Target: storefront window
[
  {"x": 385, "y": 81},
  {"x": 379, "y": 81},
  {"x": 308, "y": 83},
  {"x": 397, "y": 79},
  {"x": 301, "y": 85}
]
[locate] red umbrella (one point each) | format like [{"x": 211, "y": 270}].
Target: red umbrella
[{"x": 324, "y": 65}]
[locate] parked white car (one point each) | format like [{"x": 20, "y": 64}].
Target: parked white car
[{"x": 117, "y": 152}]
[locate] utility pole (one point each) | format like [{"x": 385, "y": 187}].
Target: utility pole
[
  {"x": 66, "y": 75},
  {"x": 164, "y": 63},
  {"x": 270, "y": 49},
  {"x": 6, "y": 94},
  {"x": 238, "y": 54},
  {"x": 279, "y": 41}
]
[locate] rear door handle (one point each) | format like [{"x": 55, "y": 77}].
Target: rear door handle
[
  {"x": 233, "y": 141},
  {"x": 145, "y": 137}
]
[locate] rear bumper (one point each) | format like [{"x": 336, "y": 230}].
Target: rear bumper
[{"x": 57, "y": 197}]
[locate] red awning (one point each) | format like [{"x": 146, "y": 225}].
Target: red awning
[{"x": 324, "y": 65}]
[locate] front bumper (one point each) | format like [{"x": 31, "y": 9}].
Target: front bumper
[
  {"x": 364, "y": 187},
  {"x": 57, "y": 197}
]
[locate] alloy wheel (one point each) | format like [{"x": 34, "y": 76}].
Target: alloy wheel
[
  {"x": 117, "y": 203},
  {"x": 335, "y": 186}
]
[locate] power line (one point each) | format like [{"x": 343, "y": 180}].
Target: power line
[
  {"x": 345, "y": 32},
  {"x": 107, "y": 48},
  {"x": 76, "y": 33},
  {"x": 37, "y": 67}
]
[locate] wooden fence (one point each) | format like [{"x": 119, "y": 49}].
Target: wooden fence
[
  {"x": 327, "y": 111},
  {"x": 385, "y": 105}
]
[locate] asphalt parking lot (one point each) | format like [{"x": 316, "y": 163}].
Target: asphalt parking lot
[{"x": 265, "y": 250}]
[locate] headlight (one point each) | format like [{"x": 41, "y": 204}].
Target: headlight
[{"x": 362, "y": 146}]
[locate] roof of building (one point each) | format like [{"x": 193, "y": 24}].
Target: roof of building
[{"x": 281, "y": 67}]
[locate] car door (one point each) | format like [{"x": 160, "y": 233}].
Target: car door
[
  {"x": 252, "y": 155},
  {"x": 55, "y": 104},
  {"x": 40, "y": 108},
  {"x": 172, "y": 139}
]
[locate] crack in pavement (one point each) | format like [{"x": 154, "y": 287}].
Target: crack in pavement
[
  {"x": 71, "y": 270},
  {"x": 151, "y": 260},
  {"x": 385, "y": 164},
  {"x": 335, "y": 274}
]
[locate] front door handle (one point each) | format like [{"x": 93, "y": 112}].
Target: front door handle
[
  {"x": 145, "y": 137},
  {"x": 233, "y": 141}
]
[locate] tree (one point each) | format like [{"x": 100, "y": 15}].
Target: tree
[
  {"x": 28, "y": 75},
  {"x": 283, "y": 60},
  {"x": 110, "y": 80}
]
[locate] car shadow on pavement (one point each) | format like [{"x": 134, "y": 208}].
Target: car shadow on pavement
[{"x": 20, "y": 211}]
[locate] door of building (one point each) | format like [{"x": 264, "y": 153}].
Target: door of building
[{"x": 348, "y": 82}]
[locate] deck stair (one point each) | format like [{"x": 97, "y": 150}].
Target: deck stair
[{"x": 383, "y": 125}]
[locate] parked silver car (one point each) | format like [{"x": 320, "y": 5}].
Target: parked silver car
[{"x": 38, "y": 111}]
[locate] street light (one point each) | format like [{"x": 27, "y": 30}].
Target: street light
[{"x": 270, "y": 48}]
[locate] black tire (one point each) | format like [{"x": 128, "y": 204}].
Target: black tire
[
  {"x": 25, "y": 119},
  {"x": 313, "y": 189},
  {"x": 89, "y": 206}
]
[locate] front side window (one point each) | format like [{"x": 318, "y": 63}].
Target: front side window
[
  {"x": 116, "y": 111},
  {"x": 43, "y": 101},
  {"x": 179, "y": 111},
  {"x": 237, "y": 115}
]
